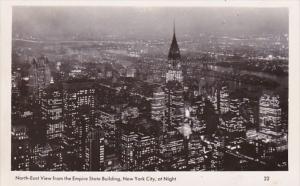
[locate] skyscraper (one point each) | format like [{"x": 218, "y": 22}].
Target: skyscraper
[
  {"x": 20, "y": 147},
  {"x": 127, "y": 147},
  {"x": 174, "y": 67},
  {"x": 224, "y": 100},
  {"x": 39, "y": 75},
  {"x": 79, "y": 109},
  {"x": 158, "y": 104},
  {"x": 171, "y": 150},
  {"x": 94, "y": 151},
  {"x": 196, "y": 153},
  {"x": 175, "y": 102},
  {"x": 145, "y": 152},
  {"x": 174, "y": 85},
  {"x": 270, "y": 112},
  {"x": 52, "y": 107}
]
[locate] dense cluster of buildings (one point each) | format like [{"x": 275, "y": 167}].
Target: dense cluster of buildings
[{"x": 113, "y": 122}]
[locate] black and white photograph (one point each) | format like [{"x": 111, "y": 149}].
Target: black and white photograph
[{"x": 149, "y": 88}]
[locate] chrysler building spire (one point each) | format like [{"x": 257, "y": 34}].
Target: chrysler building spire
[
  {"x": 174, "y": 72},
  {"x": 174, "y": 53}
]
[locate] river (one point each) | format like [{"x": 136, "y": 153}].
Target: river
[{"x": 282, "y": 80}]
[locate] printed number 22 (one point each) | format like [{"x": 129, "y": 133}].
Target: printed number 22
[{"x": 266, "y": 178}]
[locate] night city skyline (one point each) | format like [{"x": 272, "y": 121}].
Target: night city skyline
[{"x": 149, "y": 89}]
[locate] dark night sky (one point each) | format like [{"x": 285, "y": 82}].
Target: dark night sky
[{"x": 147, "y": 23}]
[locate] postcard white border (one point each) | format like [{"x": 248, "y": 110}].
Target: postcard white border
[{"x": 245, "y": 178}]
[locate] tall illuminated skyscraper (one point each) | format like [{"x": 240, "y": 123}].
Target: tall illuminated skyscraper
[
  {"x": 39, "y": 75},
  {"x": 174, "y": 79},
  {"x": 270, "y": 112},
  {"x": 174, "y": 67},
  {"x": 79, "y": 110},
  {"x": 20, "y": 151},
  {"x": 52, "y": 108},
  {"x": 224, "y": 100},
  {"x": 158, "y": 104},
  {"x": 94, "y": 151}
]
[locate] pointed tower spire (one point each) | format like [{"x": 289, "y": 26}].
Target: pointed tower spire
[
  {"x": 174, "y": 26},
  {"x": 174, "y": 53}
]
